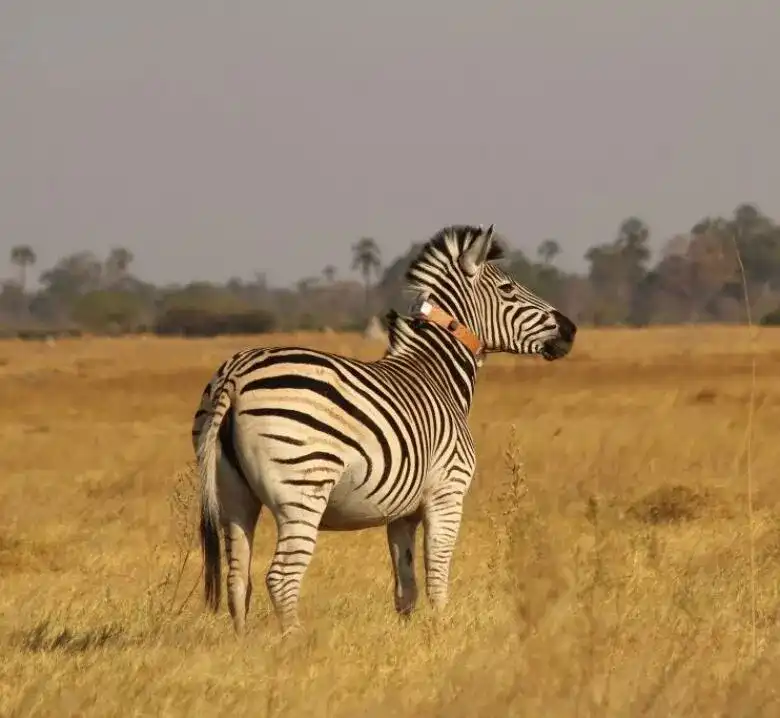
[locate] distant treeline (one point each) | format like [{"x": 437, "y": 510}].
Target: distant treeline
[{"x": 697, "y": 277}]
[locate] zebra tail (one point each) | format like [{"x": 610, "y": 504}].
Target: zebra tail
[{"x": 209, "y": 501}]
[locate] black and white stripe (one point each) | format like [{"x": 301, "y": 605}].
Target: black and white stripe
[{"x": 331, "y": 443}]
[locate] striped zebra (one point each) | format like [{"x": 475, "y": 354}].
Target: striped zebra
[{"x": 327, "y": 442}]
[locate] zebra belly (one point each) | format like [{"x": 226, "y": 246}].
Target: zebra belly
[
  {"x": 354, "y": 518},
  {"x": 349, "y": 509}
]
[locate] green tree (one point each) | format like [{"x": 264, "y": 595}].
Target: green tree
[
  {"x": 617, "y": 270},
  {"x": 366, "y": 259},
  {"x": 107, "y": 310},
  {"x": 329, "y": 272},
  {"x": 631, "y": 243},
  {"x": 71, "y": 277},
  {"x": 13, "y": 301},
  {"x": 202, "y": 297},
  {"x": 748, "y": 236},
  {"x": 23, "y": 256},
  {"x": 758, "y": 239},
  {"x": 205, "y": 309}
]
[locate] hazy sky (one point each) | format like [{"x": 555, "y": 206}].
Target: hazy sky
[{"x": 219, "y": 138}]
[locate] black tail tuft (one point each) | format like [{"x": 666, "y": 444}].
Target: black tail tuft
[{"x": 212, "y": 565}]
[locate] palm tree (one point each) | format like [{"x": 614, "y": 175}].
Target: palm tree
[
  {"x": 366, "y": 260},
  {"x": 548, "y": 250},
  {"x": 120, "y": 258},
  {"x": 116, "y": 265},
  {"x": 23, "y": 256},
  {"x": 329, "y": 272},
  {"x": 633, "y": 236}
]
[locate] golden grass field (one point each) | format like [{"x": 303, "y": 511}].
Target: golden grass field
[{"x": 603, "y": 568}]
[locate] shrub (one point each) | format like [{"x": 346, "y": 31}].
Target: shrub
[
  {"x": 771, "y": 319},
  {"x": 192, "y": 322}
]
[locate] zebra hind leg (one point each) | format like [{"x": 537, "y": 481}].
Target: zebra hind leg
[
  {"x": 240, "y": 513},
  {"x": 401, "y": 542},
  {"x": 297, "y": 523}
]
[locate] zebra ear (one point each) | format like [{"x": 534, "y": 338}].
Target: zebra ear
[{"x": 477, "y": 252}]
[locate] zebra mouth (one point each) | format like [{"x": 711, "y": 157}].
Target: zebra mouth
[{"x": 553, "y": 350}]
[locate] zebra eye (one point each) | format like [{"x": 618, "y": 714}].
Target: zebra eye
[{"x": 506, "y": 288}]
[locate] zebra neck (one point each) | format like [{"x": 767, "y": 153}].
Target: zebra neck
[
  {"x": 429, "y": 312},
  {"x": 444, "y": 362},
  {"x": 433, "y": 353}
]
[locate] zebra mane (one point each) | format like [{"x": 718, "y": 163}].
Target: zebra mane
[
  {"x": 441, "y": 253},
  {"x": 399, "y": 330},
  {"x": 447, "y": 245}
]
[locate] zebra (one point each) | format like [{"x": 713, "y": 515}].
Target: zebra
[{"x": 332, "y": 443}]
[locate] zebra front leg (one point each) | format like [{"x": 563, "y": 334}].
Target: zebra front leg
[
  {"x": 400, "y": 539},
  {"x": 297, "y": 524},
  {"x": 441, "y": 523}
]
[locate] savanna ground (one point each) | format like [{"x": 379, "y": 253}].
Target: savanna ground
[{"x": 603, "y": 568}]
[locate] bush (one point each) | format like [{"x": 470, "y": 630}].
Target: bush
[
  {"x": 771, "y": 319},
  {"x": 109, "y": 311},
  {"x": 191, "y": 322}
]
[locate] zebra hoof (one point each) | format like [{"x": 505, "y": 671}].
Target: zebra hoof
[
  {"x": 291, "y": 629},
  {"x": 405, "y": 613}
]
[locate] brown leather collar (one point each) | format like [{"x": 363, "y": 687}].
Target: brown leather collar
[{"x": 435, "y": 315}]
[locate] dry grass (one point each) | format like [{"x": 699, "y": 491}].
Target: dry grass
[{"x": 603, "y": 567}]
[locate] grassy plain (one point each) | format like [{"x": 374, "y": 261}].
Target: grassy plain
[{"x": 603, "y": 569}]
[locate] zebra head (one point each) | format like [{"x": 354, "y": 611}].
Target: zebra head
[{"x": 455, "y": 271}]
